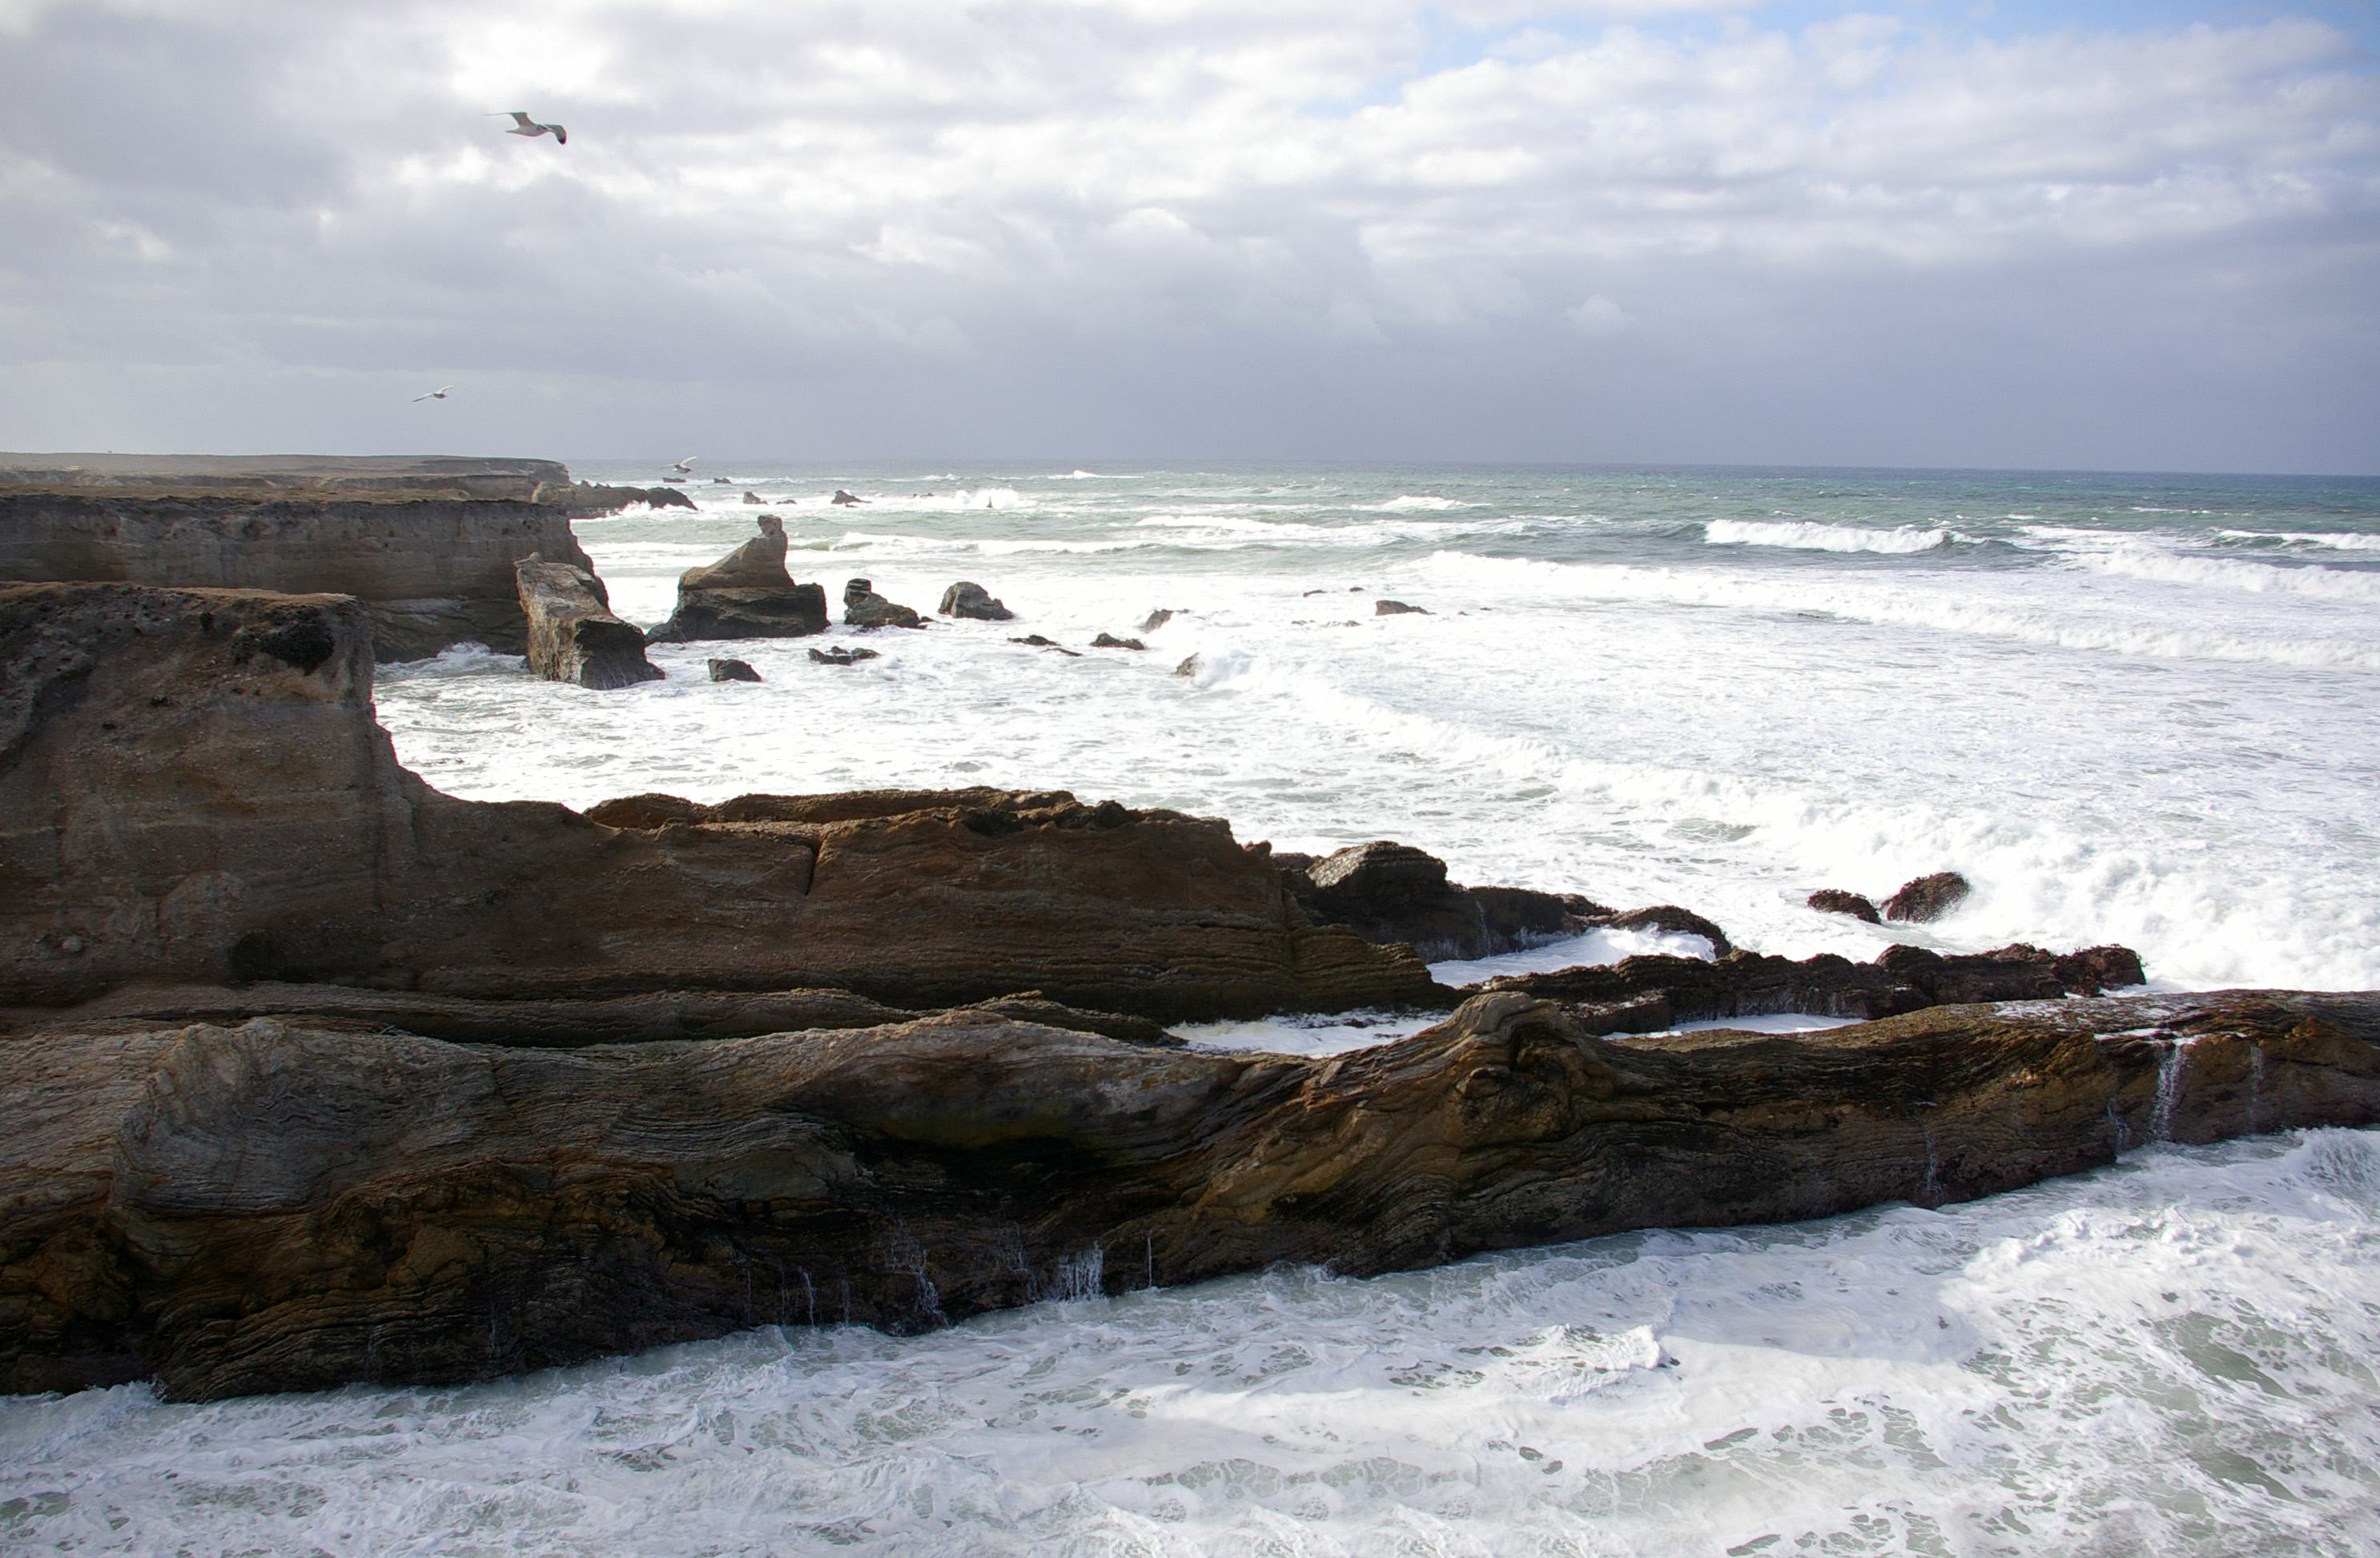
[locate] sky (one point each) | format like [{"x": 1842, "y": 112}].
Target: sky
[{"x": 2127, "y": 236}]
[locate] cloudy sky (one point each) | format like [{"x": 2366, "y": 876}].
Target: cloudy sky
[{"x": 2122, "y": 235}]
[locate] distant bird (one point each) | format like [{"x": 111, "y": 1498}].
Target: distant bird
[
  {"x": 524, "y": 124},
  {"x": 438, "y": 393},
  {"x": 686, "y": 466}
]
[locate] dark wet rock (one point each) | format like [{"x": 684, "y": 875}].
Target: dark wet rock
[
  {"x": 1031, "y": 1006},
  {"x": 669, "y": 497},
  {"x": 862, "y": 607},
  {"x": 1110, "y": 641},
  {"x": 975, "y": 602},
  {"x": 285, "y": 1204},
  {"x": 1927, "y": 898},
  {"x": 1036, "y": 641},
  {"x": 1668, "y": 919},
  {"x": 1645, "y": 993},
  {"x": 747, "y": 593},
  {"x": 1189, "y": 666},
  {"x": 573, "y": 637},
  {"x": 732, "y": 671},
  {"x": 1833, "y": 901},
  {"x": 1397, "y": 609},
  {"x": 1387, "y": 893},
  {"x": 2094, "y": 969},
  {"x": 1155, "y": 620},
  {"x": 843, "y": 498},
  {"x": 841, "y": 654},
  {"x": 752, "y": 497}
]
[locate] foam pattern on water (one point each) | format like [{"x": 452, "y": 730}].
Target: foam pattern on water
[
  {"x": 1601, "y": 701},
  {"x": 2172, "y": 1357}
]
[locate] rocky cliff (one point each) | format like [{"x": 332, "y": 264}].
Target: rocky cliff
[
  {"x": 290, "y": 1205},
  {"x": 428, "y": 545},
  {"x": 193, "y": 790}
]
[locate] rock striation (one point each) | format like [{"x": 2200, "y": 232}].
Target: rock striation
[
  {"x": 573, "y": 637},
  {"x": 278, "y": 1205},
  {"x": 1388, "y": 893},
  {"x": 747, "y": 593},
  {"x": 193, "y": 791},
  {"x": 428, "y": 545}
]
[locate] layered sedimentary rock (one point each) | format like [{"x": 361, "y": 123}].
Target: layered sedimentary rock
[
  {"x": 1388, "y": 893},
  {"x": 273, "y": 1206},
  {"x": 193, "y": 791},
  {"x": 1644, "y": 995},
  {"x": 747, "y": 593},
  {"x": 573, "y": 637},
  {"x": 428, "y": 544}
]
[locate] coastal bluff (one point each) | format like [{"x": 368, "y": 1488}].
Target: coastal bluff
[
  {"x": 429, "y": 544},
  {"x": 310, "y": 1074},
  {"x": 193, "y": 791}
]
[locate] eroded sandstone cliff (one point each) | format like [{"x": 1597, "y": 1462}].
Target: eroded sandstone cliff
[
  {"x": 193, "y": 790},
  {"x": 428, "y": 545}
]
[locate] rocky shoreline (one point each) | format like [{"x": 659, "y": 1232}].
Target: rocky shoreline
[{"x": 313, "y": 1074}]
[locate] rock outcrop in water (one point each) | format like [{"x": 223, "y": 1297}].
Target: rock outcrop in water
[
  {"x": 862, "y": 607},
  {"x": 747, "y": 593},
  {"x": 428, "y": 545},
  {"x": 1928, "y": 899},
  {"x": 972, "y": 600},
  {"x": 192, "y": 790},
  {"x": 289, "y": 1205},
  {"x": 1391, "y": 893},
  {"x": 573, "y": 637}
]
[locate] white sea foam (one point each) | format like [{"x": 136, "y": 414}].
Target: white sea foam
[
  {"x": 2311, "y": 579},
  {"x": 2171, "y": 1357},
  {"x": 2342, "y": 541},
  {"x": 1807, "y": 537}
]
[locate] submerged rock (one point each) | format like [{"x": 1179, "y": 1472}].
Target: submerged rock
[
  {"x": 732, "y": 671},
  {"x": 862, "y": 607},
  {"x": 1927, "y": 898},
  {"x": 1397, "y": 609},
  {"x": 291, "y": 1205},
  {"x": 1833, "y": 901},
  {"x": 573, "y": 637},
  {"x": 747, "y": 593},
  {"x": 1110, "y": 641},
  {"x": 971, "y": 600},
  {"x": 844, "y": 498},
  {"x": 841, "y": 654},
  {"x": 1155, "y": 620},
  {"x": 1034, "y": 640}
]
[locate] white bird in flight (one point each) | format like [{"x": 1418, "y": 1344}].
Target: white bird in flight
[
  {"x": 524, "y": 124},
  {"x": 686, "y": 466},
  {"x": 438, "y": 393}
]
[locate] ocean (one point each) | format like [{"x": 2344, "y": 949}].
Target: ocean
[{"x": 2130, "y": 709}]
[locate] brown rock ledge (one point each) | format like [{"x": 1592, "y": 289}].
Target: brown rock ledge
[
  {"x": 277, "y": 1206},
  {"x": 427, "y": 543},
  {"x": 193, "y": 791}
]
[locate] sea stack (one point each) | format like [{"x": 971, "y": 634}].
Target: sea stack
[
  {"x": 747, "y": 593},
  {"x": 573, "y": 637}
]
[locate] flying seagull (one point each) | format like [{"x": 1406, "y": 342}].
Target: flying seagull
[
  {"x": 686, "y": 466},
  {"x": 438, "y": 393},
  {"x": 524, "y": 124}
]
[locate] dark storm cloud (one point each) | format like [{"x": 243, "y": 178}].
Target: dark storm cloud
[{"x": 1216, "y": 229}]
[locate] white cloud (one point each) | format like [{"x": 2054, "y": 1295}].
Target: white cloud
[
  {"x": 311, "y": 186},
  {"x": 1598, "y": 316}
]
